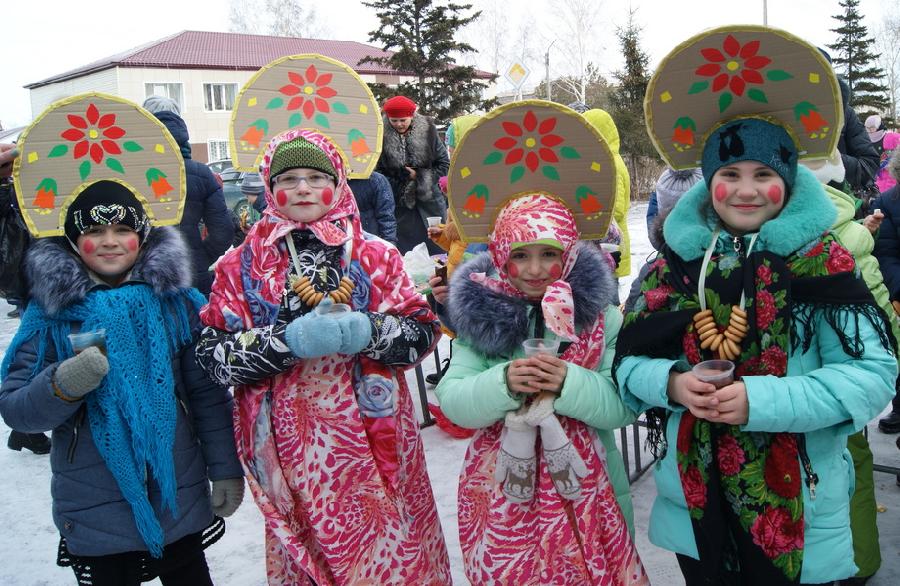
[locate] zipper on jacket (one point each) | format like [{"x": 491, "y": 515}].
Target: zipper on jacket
[
  {"x": 811, "y": 477},
  {"x": 79, "y": 420},
  {"x": 738, "y": 244}
]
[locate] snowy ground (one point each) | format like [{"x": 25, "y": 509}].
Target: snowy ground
[{"x": 29, "y": 539}]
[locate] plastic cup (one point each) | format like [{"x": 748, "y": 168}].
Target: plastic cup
[
  {"x": 535, "y": 346},
  {"x": 433, "y": 221},
  {"x": 84, "y": 340},
  {"x": 718, "y": 372},
  {"x": 334, "y": 310}
]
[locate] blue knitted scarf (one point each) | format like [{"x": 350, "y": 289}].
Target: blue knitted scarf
[{"x": 133, "y": 412}]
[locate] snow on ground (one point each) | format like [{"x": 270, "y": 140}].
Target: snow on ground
[{"x": 29, "y": 539}]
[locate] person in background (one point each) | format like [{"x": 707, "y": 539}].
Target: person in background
[
  {"x": 252, "y": 189},
  {"x": 375, "y": 201},
  {"x": 884, "y": 142},
  {"x": 205, "y": 200}
]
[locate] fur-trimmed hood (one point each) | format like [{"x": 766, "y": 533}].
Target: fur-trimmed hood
[
  {"x": 59, "y": 279},
  {"x": 807, "y": 214},
  {"x": 419, "y": 138},
  {"x": 496, "y": 324}
]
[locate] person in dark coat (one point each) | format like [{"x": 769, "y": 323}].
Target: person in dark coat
[
  {"x": 375, "y": 201},
  {"x": 859, "y": 156},
  {"x": 413, "y": 158},
  {"x": 205, "y": 200}
]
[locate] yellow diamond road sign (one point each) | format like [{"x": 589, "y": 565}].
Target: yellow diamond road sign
[{"x": 517, "y": 74}]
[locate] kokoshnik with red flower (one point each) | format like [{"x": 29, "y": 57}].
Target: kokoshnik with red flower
[{"x": 743, "y": 488}]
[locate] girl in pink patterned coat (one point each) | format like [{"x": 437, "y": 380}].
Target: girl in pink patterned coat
[{"x": 324, "y": 424}]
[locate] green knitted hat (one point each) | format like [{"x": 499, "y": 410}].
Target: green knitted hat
[{"x": 300, "y": 153}]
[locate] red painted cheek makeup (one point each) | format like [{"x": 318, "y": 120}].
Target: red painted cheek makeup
[
  {"x": 513, "y": 270},
  {"x": 327, "y": 196},
  {"x": 281, "y": 197},
  {"x": 88, "y": 247},
  {"x": 721, "y": 192},
  {"x": 132, "y": 243},
  {"x": 556, "y": 271},
  {"x": 775, "y": 194}
]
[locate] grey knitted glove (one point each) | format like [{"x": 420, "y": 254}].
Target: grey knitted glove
[
  {"x": 227, "y": 496},
  {"x": 81, "y": 374}
]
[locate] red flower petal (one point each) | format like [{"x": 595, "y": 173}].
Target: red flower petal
[
  {"x": 712, "y": 54},
  {"x": 531, "y": 161},
  {"x": 551, "y": 140},
  {"x": 81, "y": 149},
  {"x": 93, "y": 114},
  {"x": 106, "y": 120},
  {"x": 751, "y": 76},
  {"x": 547, "y": 126},
  {"x": 731, "y": 46},
  {"x": 77, "y": 121},
  {"x": 96, "y": 153},
  {"x": 295, "y": 78},
  {"x": 757, "y": 62},
  {"x": 114, "y": 132},
  {"x": 514, "y": 156},
  {"x": 750, "y": 49},
  {"x": 324, "y": 79},
  {"x": 505, "y": 143},
  {"x": 548, "y": 156},
  {"x": 512, "y": 129},
  {"x": 322, "y": 105},
  {"x": 737, "y": 85},
  {"x": 309, "y": 108},
  {"x": 326, "y": 92},
  {"x": 311, "y": 74},
  {"x": 72, "y": 134},
  {"x": 708, "y": 69},
  {"x": 295, "y": 103},
  {"x": 530, "y": 121},
  {"x": 289, "y": 90},
  {"x": 111, "y": 147},
  {"x": 720, "y": 82}
]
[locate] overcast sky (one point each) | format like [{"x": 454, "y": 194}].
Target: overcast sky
[{"x": 46, "y": 37}]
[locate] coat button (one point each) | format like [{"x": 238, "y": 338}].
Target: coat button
[{"x": 67, "y": 525}]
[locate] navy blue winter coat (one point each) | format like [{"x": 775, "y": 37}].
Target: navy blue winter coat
[
  {"x": 88, "y": 507},
  {"x": 205, "y": 203},
  {"x": 375, "y": 201},
  {"x": 887, "y": 243}
]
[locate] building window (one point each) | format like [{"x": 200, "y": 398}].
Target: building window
[
  {"x": 219, "y": 96},
  {"x": 218, "y": 150},
  {"x": 173, "y": 91}
]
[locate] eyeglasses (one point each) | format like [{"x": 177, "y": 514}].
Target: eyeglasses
[{"x": 314, "y": 180}]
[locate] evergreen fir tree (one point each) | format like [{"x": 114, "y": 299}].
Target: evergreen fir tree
[
  {"x": 422, "y": 36},
  {"x": 627, "y": 98},
  {"x": 855, "y": 60}
]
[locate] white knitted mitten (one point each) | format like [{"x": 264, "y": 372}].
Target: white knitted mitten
[
  {"x": 516, "y": 462},
  {"x": 563, "y": 462}
]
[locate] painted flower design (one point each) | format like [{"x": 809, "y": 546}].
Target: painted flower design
[
  {"x": 528, "y": 144},
  {"x": 309, "y": 92},
  {"x": 475, "y": 201},
  {"x": 782, "y": 472},
  {"x": 683, "y": 133},
  {"x": 813, "y": 123},
  {"x": 94, "y": 134},
  {"x": 157, "y": 181},
  {"x": 776, "y": 533},
  {"x": 839, "y": 260},
  {"x": 765, "y": 309},
  {"x": 730, "y": 455},
  {"x": 45, "y": 195},
  {"x": 694, "y": 490}
]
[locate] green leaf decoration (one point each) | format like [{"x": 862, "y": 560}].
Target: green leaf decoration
[
  {"x": 479, "y": 190},
  {"x": 582, "y": 192},
  {"x": 261, "y": 124},
  {"x": 322, "y": 120},
  {"x": 295, "y": 119},
  {"x": 354, "y": 134},
  {"x": 58, "y": 151},
  {"x": 758, "y": 96},
  {"x": 725, "y": 101},
  {"x": 568, "y": 152},
  {"x": 154, "y": 174},
  {"x": 340, "y": 108},
  {"x": 550, "y": 172},
  {"x": 115, "y": 165},
  {"x": 697, "y": 87},
  {"x": 274, "y": 103},
  {"x": 493, "y": 158},
  {"x": 803, "y": 109},
  {"x": 47, "y": 184},
  {"x": 778, "y": 75},
  {"x": 84, "y": 170},
  {"x": 517, "y": 172},
  {"x": 132, "y": 147},
  {"x": 685, "y": 122}
]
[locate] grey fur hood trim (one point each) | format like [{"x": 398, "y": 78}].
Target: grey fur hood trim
[
  {"x": 419, "y": 139},
  {"x": 496, "y": 324},
  {"x": 59, "y": 279}
]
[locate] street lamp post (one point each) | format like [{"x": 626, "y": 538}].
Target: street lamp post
[{"x": 547, "y": 72}]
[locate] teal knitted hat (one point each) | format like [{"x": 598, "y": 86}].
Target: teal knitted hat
[
  {"x": 751, "y": 139},
  {"x": 300, "y": 153}
]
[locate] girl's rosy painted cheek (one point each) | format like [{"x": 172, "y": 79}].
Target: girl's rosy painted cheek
[
  {"x": 775, "y": 194},
  {"x": 87, "y": 246},
  {"x": 721, "y": 192},
  {"x": 327, "y": 196},
  {"x": 281, "y": 197},
  {"x": 513, "y": 270},
  {"x": 556, "y": 271},
  {"x": 132, "y": 243}
]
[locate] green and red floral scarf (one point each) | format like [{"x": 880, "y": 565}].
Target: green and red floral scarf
[{"x": 742, "y": 488}]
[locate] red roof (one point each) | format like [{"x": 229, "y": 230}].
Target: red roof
[{"x": 209, "y": 50}]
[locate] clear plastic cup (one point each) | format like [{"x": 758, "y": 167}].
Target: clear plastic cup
[
  {"x": 718, "y": 372},
  {"x": 534, "y": 346},
  {"x": 334, "y": 310},
  {"x": 84, "y": 340},
  {"x": 433, "y": 221}
]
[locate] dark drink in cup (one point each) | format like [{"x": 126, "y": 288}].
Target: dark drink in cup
[{"x": 717, "y": 372}]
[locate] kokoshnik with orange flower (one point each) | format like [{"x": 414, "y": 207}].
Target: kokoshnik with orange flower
[{"x": 752, "y": 307}]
